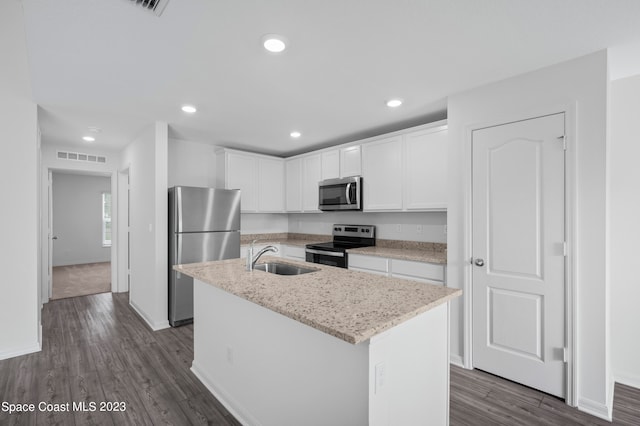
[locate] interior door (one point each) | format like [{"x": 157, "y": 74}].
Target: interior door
[
  {"x": 518, "y": 252},
  {"x": 51, "y": 236}
]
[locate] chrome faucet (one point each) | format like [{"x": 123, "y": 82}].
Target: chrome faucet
[{"x": 251, "y": 259}]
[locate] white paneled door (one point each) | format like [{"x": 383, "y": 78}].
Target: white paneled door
[{"x": 518, "y": 252}]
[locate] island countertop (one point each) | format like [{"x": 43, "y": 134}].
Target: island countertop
[{"x": 350, "y": 305}]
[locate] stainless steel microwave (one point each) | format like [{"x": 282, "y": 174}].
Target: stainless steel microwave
[{"x": 340, "y": 194}]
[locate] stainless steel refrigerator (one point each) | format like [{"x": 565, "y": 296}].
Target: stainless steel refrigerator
[{"x": 204, "y": 224}]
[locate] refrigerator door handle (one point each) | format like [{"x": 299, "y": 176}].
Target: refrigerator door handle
[
  {"x": 179, "y": 212},
  {"x": 179, "y": 258}
]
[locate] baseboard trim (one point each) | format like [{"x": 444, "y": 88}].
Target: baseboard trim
[
  {"x": 456, "y": 360},
  {"x": 628, "y": 379},
  {"x": 155, "y": 326},
  {"x": 223, "y": 397},
  {"x": 25, "y": 350},
  {"x": 597, "y": 409}
]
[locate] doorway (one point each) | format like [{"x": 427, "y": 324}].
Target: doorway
[
  {"x": 519, "y": 251},
  {"x": 81, "y": 213}
]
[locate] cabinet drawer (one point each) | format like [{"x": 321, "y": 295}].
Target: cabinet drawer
[
  {"x": 414, "y": 278},
  {"x": 369, "y": 271},
  {"x": 373, "y": 263},
  {"x": 427, "y": 271}
]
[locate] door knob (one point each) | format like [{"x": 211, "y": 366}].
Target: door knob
[
  {"x": 479, "y": 262},
  {"x": 55, "y": 237}
]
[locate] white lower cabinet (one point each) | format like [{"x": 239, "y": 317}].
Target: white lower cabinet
[
  {"x": 371, "y": 264},
  {"x": 293, "y": 252},
  {"x": 430, "y": 273}
]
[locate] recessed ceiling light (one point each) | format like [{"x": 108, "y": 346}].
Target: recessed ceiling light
[
  {"x": 189, "y": 108},
  {"x": 295, "y": 135},
  {"x": 274, "y": 43},
  {"x": 394, "y": 103},
  {"x": 88, "y": 138}
]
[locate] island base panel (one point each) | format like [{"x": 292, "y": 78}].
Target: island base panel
[{"x": 268, "y": 369}]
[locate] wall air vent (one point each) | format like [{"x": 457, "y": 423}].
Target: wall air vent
[
  {"x": 155, "y": 6},
  {"x": 76, "y": 156}
]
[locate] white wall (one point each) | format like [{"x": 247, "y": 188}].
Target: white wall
[
  {"x": 191, "y": 164},
  {"x": 146, "y": 160},
  {"x": 581, "y": 82},
  {"x": 19, "y": 171},
  {"x": 77, "y": 219},
  {"x": 389, "y": 226},
  {"x": 624, "y": 231},
  {"x": 263, "y": 223}
]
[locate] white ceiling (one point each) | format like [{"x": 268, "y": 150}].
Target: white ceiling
[{"x": 117, "y": 66}]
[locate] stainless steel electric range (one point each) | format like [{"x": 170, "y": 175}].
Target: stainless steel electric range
[{"x": 345, "y": 237}]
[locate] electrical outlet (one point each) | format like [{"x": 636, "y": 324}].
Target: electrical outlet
[
  {"x": 380, "y": 376},
  {"x": 445, "y": 230},
  {"x": 230, "y": 355},
  {"x": 419, "y": 229},
  {"x": 398, "y": 228}
]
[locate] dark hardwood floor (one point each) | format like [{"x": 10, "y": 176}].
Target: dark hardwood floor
[
  {"x": 96, "y": 349},
  {"x": 479, "y": 398}
]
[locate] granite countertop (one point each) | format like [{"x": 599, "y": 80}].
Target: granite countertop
[
  {"x": 394, "y": 249},
  {"x": 350, "y": 305},
  {"x": 290, "y": 239},
  {"x": 415, "y": 254}
]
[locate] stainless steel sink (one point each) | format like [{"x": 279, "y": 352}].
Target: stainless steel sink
[{"x": 283, "y": 268}]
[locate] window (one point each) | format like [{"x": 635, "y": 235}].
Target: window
[{"x": 106, "y": 219}]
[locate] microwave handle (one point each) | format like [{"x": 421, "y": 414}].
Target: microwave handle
[{"x": 349, "y": 193}]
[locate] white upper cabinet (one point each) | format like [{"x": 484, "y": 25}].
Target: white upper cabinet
[
  {"x": 311, "y": 175},
  {"x": 240, "y": 171},
  {"x": 425, "y": 178},
  {"x": 350, "y": 161},
  {"x": 343, "y": 162},
  {"x": 271, "y": 185},
  {"x": 259, "y": 178},
  {"x": 331, "y": 164},
  {"x": 407, "y": 172},
  {"x": 294, "y": 185},
  {"x": 382, "y": 174}
]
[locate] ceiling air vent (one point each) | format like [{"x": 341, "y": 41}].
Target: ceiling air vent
[
  {"x": 156, "y": 6},
  {"x": 76, "y": 156}
]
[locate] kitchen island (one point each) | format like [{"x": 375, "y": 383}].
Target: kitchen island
[{"x": 332, "y": 346}]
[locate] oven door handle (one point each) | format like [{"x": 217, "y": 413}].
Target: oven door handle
[
  {"x": 325, "y": 253},
  {"x": 349, "y": 193}
]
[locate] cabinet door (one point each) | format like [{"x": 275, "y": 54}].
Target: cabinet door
[
  {"x": 293, "y": 252},
  {"x": 270, "y": 185},
  {"x": 350, "y": 161},
  {"x": 241, "y": 174},
  {"x": 294, "y": 185},
  {"x": 425, "y": 178},
  {"x": 331, "y": 164},
  {"x": 382, "y": 174},
  {"x": 311, "y": 175}
]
